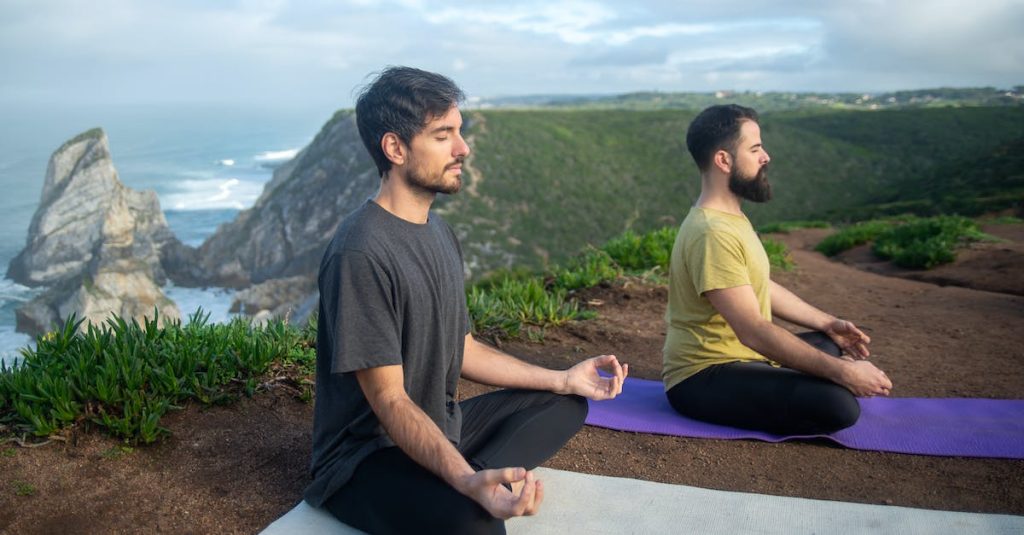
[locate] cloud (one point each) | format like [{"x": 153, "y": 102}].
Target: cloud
[
  {"x": 571, "y": 21},
  {"x": 943, "y": 38},
  {"x": 315, "y": 51}
]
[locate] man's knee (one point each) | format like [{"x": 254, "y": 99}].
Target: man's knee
[
  {"x": 842, "y": 409},
  {"x": 815, "y": 407},
  {"x": 569, "y": 409},
  {"x": 576, "y": 409},
  {"x": 849, "y": 411}
]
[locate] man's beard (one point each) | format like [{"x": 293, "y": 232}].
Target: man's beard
[
  {"x": 756, "y": 189},
  {"x": 437, "y": 183}
]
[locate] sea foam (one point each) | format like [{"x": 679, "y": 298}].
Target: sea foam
[
  {"x": 276, "y": 155},
  {"x": 11, "y": 343},
  {"x": 12, "y": 292},
  {"x": 214, "y": 301},
  {"x": 212, "y": 194}
]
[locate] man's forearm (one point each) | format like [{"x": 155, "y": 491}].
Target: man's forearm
[
  {"x": 484, "y": 364},
  {"x": 420, "y": 438},
  {"x": 786, "y": 305},
  {"x": 785, "y": 348},
  {"x": 739, "y": 307},
  {"x": 409, "y": 427}
]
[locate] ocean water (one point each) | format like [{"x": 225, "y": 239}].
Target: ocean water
[{"x": 204, "y": 162}]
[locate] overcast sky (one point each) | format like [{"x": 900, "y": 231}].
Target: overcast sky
[{"x": 274, "y": 52}]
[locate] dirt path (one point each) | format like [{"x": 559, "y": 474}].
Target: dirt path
[{"x": 235, "y": 469}]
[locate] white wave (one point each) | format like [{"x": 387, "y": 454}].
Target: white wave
[
  {"x": 12, "y": 292},
  {"x": 226, "y": 162},
  {"x": 214, "y": 301},
  {"x": 212, "y": 194},
  {"x": 11, "y": 343},
  {"x": 276, "y": 155}
]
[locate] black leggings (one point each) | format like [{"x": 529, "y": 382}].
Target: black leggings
[
  {"x": 756, "y": 395},
  {"x": 391, "y": 493}
]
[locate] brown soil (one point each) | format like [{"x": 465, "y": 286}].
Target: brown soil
[{"x": 235, "y": 469}]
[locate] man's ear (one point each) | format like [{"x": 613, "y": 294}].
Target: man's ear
[
  {"x": 723, "y": 161},
  {"x": 393, "y": 148}
]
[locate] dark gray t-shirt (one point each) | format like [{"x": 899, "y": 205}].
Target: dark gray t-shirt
[{"x": 391, "y": 292}]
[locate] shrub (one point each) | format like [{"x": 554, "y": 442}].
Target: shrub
[
  {"x": 642, "y": 252},
  {"x": 124, "y": 376},
  {"x": 851, "y": 237},
  {"x": 908, "y": 241},
  {"x": 926, "y": 243},
  {"x": 586, "y": 270},
  {"x": 778, "y": 254},
  {"x": 508, "y": 306},
  {"x": 509, "y": 302}
]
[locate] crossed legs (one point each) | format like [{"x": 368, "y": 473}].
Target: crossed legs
[
  {"x": 756, "y": 395},
  {"x": 391, "y": 493}
]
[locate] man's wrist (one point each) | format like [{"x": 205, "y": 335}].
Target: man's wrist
[
  {"x": 461, "y": 480},
  {"x": 840, "y": 370},
  {"x": 562, "y": 383}
]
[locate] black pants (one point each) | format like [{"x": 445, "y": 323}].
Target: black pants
[
  {"x": 756, "y": 395},
  {"x": 391, "y": 493}
]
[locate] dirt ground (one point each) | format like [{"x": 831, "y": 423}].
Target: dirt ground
[{"x": 235, "y": 469}]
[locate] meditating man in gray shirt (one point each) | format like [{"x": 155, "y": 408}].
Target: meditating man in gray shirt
[{"x": 394, "y": 451}]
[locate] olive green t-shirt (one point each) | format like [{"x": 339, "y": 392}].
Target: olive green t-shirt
[{"x": 713, "y": 250}]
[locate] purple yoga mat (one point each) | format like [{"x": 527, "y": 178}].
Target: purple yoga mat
[{"x": 925, "y": 426}]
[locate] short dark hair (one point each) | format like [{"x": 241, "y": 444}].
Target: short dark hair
[
  {"x": 714, "y": 129},
  {"x": 401, "y": 100}
]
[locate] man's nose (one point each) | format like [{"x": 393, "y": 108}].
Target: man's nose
[
  {"x": 765, "y": 159},
  {"x": 461, "y": 148}
]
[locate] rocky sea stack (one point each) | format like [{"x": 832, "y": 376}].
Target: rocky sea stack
[
  {"x": 94, "y": 243},
  {"x": 101, "y": 248}
]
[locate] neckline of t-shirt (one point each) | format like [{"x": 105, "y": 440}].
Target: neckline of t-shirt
[
  {"x": 398, "y": 220},
  {"x": 729, "y": 214}
]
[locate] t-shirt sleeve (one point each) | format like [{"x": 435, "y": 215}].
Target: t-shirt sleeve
[
  {"x": 359, "y": 300},
  {"x": 716, "y": 261}
]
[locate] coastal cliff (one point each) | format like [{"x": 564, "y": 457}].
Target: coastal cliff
[
  {"x": 94, "y": 243},
  {"x": 284, "y": 234},
  {"x": 273, "y": 249}
]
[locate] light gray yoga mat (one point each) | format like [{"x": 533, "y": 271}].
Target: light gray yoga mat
[{"x": 583, "y": 503}]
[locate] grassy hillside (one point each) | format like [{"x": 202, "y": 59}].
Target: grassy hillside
[
  {"x": 544, "y": 183},
  {"x": 991, "y": 181}
]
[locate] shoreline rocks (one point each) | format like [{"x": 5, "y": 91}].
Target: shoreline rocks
[
  {"x": 294, "y": 298},
  {"x": 101, "y": 248},
  {"x": 93, "y": 242}
]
